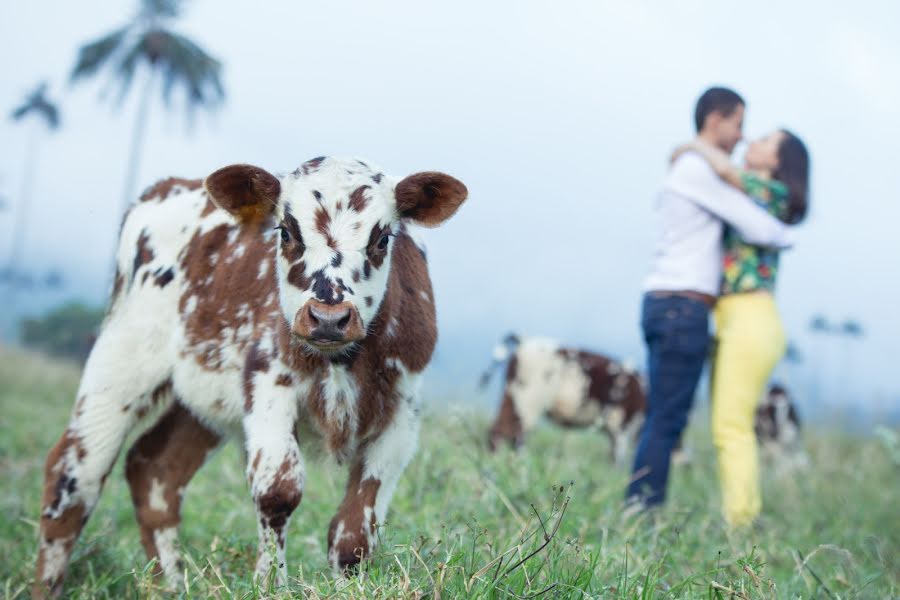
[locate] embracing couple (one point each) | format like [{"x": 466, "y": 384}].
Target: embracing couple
[{"x": 721, "y": 230}]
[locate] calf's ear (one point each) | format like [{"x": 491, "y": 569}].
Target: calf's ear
[
  {"x": 429, "y": 198},
  {"x": 247, "y": 192}
]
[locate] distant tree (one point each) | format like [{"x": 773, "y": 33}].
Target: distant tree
[
  {"x": 171, "y": 58},
  {"x": 41, "y": 112},
  {"x": 852, "y": 328},
  {"x": 819, "y": 324},
  {"x": 68, "y": 331}
]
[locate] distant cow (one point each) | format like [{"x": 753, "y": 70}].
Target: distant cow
[
  {"x": 278, "y": 307},
  {"x": 778, "y": 428},
  {"x": 570, "y": 387}
]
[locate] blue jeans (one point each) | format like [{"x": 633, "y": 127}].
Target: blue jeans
[{"x": 676, "y": 330}]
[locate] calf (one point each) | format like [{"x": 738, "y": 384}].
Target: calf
[
  {"x": 777, "y": 426},
  {"x": 280, "y": 308},
  {"x": 571, "y": 387}
]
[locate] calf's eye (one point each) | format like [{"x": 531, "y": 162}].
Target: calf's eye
[
  {"x": 383, "y": 242},
  {"x": 285, "y": 236}
]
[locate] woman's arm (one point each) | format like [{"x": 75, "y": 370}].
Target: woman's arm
[{"x": 718, "y": 160}]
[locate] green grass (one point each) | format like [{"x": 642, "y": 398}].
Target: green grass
[{"x": 465, "y": 523}]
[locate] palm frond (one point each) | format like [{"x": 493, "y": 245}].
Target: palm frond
[
  {"x": 127, "y": 67},
  {"x": 92, "y": 56},
  {"x": 37, "y": 103},
  {"x": 184, "y": 64},
  {"x": 156, "y": 9}
]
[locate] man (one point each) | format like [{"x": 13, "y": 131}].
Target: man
[{"x": 683, "y": 283}]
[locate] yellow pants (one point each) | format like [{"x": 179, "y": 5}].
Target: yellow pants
[{"x": 750, "y": 342}]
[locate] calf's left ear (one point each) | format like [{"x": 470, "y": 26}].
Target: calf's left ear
[
  {"x": 429, "y": 198},
  {"x": 247, "y": 192}
]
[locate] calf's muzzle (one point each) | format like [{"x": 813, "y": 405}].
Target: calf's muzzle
[{"x": 328, "y": 325}]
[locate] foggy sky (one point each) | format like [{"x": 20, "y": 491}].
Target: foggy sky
[{"x": 559, "y": 117}]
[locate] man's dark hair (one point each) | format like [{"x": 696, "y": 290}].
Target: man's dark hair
[{"x": 716, "y": 99}]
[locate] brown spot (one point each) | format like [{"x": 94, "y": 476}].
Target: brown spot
[
  {"x": 355, "y": 275},
  {"x": 310, "y": 166},
  {"x": 281, "y": 498},
  {"x": 368, "y": 300},
  {"x": 228, "y": 295},
  {"x": 161, "y": 391},
  {"x": 284, "y": 380},
  {"x": 297, "y": 276},
  {"x": 143, "y": 254},
  {"x": 358, "y": 200},
  {"x": 323, "y": 222},
  {"x": 169, "y": 453},
  {"x": 162, "y": 279},
  {"x": 162, "y": 189},
  {"x": 357, "y": 529},
  {"x": 256, "y": 362}
]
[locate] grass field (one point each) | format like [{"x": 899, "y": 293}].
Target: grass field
[{"x": 465, "y": 523}]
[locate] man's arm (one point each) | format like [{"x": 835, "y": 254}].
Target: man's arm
[{"x": 692, "y": 177}]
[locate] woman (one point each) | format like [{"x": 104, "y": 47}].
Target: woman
[{"x": 750, "y": 338}]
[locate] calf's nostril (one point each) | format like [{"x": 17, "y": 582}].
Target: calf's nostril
[{"x": 344, "y": 321}]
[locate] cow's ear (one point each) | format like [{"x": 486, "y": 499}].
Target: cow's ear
[
  {"x": 247, "y": 192},
  {"x": 429, "y": 198}
]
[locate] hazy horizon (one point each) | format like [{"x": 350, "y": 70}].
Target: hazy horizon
[{"x": 560, "y": 120}]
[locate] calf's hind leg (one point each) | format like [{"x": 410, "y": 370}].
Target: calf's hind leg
[
  {"x": 77, "y": 466},
  {"x": 158, "y": 467}
]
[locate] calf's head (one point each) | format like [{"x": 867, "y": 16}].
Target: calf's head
[{"x": 335, "y": 221}]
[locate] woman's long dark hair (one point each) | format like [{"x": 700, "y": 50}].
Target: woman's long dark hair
[{"x": 793, "y": 171}]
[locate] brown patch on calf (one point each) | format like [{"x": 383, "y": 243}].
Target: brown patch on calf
[
  {"x": 310, "y": 166},
  {"x": 354, "y": 543},
  {"x": 297, "y": 276},
  {"x": 168, "y": 454},
  {"x": 358, "y": 200},
  {"x": 281, "y": 498},
  {"x": 162, "y": 189},
  {"x": 323, "y": 222},
  {"x": 232, "y": 304},
  {"x": 284, "y": 380},
  {"x": 143, "y": 253},
  {"x": 65, "y": 527},
  {"x": 256, "y": 362}
]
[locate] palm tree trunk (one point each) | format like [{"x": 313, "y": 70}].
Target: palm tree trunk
[
  {"x": 20, "y": 225},
  {"x": 137, "y": 140},
  {"x": 134, "y": 159}
]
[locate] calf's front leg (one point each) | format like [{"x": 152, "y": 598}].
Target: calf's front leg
[
  {"x": 374, "y": 474},
  {"x": 275, "y": 468}
]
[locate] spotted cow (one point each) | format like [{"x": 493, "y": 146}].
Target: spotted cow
[
  {"x": 570, "y": 387},
  {"x": 280, "y": 309},
  {"x": 777, "y": 426}
]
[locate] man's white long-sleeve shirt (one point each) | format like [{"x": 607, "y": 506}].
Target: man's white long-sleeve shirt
[{"x": 691, "y": 208}]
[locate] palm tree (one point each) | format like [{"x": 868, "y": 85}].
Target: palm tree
[
  {"x": 39, "y": 111},
  {"x": 169, "y": 57}
]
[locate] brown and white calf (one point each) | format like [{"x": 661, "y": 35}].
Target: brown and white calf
[
  {"x": 571, "y": 387},
  {"x": 777, "y": 426},
  {"x": 275, "y": 308}
]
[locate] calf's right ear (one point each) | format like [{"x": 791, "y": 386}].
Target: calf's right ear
[{"x": 247, "y": 192}]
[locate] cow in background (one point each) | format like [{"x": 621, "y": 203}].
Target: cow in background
[
  {"x": 571, "y": 387},
  {"x": 777, "y": 427}
]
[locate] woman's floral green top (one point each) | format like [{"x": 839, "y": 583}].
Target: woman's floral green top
[{"x": 749, "y": 268}]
